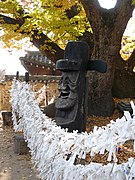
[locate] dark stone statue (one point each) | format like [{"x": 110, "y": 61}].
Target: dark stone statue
[{"x": 71, "y": 104}]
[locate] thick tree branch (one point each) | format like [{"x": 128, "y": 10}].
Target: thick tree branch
[
  {"x": 124, "y": 10},
  {"x": 108, "y": 25},
  {"x": 73, "y": 11},
  {"x": 123, "y": 3},
  {"x": 9, "y": 20},
  {"x": 99, "y": 16},
  {"x": 52, "y": 50},
  {"x": 54, "y": 53},
  {"x": 92, "y": 9}
]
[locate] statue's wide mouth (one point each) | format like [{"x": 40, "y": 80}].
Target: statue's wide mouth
[{"x": 64, "y": 94}]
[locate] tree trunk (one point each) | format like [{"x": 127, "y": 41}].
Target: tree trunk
[
  {"x": 124, "y": 78},
  {"x": 100, "y": 101},
  {"x": 100, "y": 96},
  {"x": 108, "y": 27}
]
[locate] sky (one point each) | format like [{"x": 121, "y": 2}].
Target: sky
[
  {"x": 11, "y": 63},
  {"x": 107, "y": 3}
]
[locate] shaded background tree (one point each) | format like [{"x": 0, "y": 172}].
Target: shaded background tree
[
  {"x": 49, "y": 25},
  {"x": 124, "y": 77}
]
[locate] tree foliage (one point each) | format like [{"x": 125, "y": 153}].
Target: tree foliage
[
  {"x": 44, "y": 22},
  {"x": 128, "y": 46},
  {"x": 59, "y": 20},
  {"x": 133, "y": 1}
]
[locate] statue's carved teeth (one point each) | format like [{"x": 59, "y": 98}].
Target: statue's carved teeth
[{"x": 64, "y": 94}]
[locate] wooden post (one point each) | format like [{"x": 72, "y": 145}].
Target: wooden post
[{"x": 27, "y": 77}]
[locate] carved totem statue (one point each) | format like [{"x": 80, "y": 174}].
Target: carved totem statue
[{"x": 72, "y": 100}]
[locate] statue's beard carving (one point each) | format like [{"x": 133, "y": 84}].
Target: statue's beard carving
[{"x": 66, "y": 102}]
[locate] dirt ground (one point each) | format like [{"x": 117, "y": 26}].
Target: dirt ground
[{"x": 13, "y": 166}]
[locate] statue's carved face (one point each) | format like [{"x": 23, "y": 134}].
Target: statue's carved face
[{"x": 67, "y": 90}]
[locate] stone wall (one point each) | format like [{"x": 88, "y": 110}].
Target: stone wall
[
  {"x": 5, "y": 95},
  {"x": 48, "y": 84}
]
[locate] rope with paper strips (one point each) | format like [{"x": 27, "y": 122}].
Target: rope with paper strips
[{"x": 54, "y": 150}]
